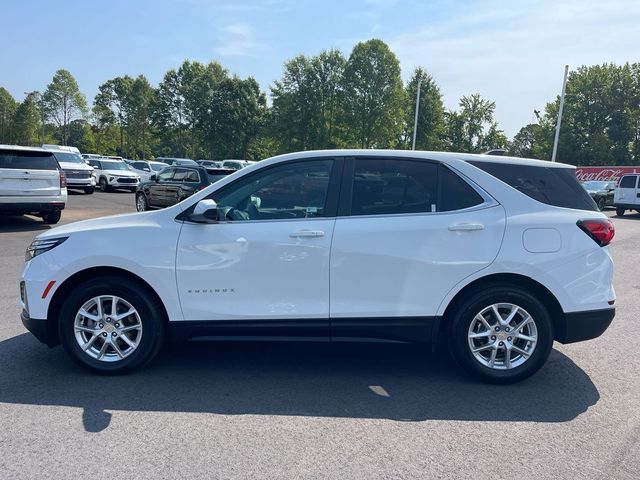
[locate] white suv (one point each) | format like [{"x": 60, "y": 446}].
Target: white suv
[
  {"x": 31, "y": 181},
  {"x": 627, "y": 195},
  {"x": 113, "y": 173},
  {"x": 79, "y": 174},
  {"x": 498, "y": 255}
]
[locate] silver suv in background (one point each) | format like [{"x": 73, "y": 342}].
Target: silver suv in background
[
  {"x": 79, "y": 174},
  {"x": 32, "y": 182}
]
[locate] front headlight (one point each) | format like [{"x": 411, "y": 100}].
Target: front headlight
[{"x": 38, "y": 247}]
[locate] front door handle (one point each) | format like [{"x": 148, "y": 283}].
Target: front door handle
[
  {"x": 466, "y": 227},
  {"x": 307, "y": 234}
]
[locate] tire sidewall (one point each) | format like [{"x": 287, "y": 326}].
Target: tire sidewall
[
  {"x": 104, "y": 185},
  {"x": 152, "y": 326},
  {"x": 141, "y": 195},
  {"x": 501, "y": 294}
]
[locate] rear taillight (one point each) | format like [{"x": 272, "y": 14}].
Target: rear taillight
[
  {"x": 63, "y": 179},
  {"x": 600, "y": 229}
]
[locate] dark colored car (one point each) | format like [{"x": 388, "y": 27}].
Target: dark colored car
[
  {"x": 601, "y": 192},
  {"x": 175, "y": 183}
]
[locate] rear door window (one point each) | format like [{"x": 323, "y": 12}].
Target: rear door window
[
  {"x": 455, "y": 193},
  {"x": 393, "y": 186},
  {"x": 13, "y": 159},
  {"x": 551, "y": 185}
]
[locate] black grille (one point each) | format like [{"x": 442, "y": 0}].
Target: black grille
[
  {"x": 76, "y": 174},
  {"x": 126, "y": 180}
]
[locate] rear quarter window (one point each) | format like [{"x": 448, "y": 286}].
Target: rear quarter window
[
  {"x": 27, "y": 160},
  {"x": 553, "y": 186}
]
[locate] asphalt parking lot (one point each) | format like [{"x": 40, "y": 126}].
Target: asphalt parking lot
[{"x": 315, "y": 411}]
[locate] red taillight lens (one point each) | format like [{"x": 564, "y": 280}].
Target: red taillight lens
[
  {"x": 600, "y": 229},
  {"x": 63, "y": 179}
]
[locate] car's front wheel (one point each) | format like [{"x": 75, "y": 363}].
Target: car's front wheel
[
  {"x": 602, "y": 203},
  {"x": 501, "y": 334},
  {"x": 89, "y": 190},
  {"x": 104, "y": 185},
  {"x": 141, "y": 202},
  {"x": 111, "y": 326},
  {"x": 619, "y": 211}
]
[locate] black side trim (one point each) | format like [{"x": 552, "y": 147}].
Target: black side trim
[
  {"x": 386, "y": 329},
  {"x": 38, "y": 327},
  {"x": 311, "y": 329},
  {"x": 579, "y": 326},
  {"x": 25, "y": 207}
]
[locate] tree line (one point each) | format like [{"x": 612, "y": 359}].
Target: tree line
[{"x": 324, "y": 101}]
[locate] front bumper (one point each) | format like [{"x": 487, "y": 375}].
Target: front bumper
[
  {"x": 580, "y": 326},
  {"x": 39, "y": 328},
  {"x": 123, "y": 183}
]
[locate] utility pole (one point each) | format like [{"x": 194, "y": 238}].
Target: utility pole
[
  {"x": 415, "y": 121},
  {"x": 555, "y": 142}
]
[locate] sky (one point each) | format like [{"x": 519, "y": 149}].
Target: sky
[{"x": 512, "y": 52}]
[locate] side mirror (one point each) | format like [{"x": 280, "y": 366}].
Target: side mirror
[
  {"x": 153, "y": 178},
  {"x": 205, "y": 211}
]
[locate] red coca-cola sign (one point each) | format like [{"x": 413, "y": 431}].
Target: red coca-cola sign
[{"x": 603, "y": 173}]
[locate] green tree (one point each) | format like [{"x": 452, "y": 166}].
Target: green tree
[
  {"x": 8, "y": 107},
  {"x": 63, "y": 102},
  {"x": 26, "y": 121},
  {"x": 431, "y": 118},
  {"x": 373, "y": 96},
  {"x": 110, "y": 106}
]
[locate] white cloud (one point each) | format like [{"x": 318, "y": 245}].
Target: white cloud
[
  {"x": 237, "y": 39},
  {"x": 515, "y": 54}
]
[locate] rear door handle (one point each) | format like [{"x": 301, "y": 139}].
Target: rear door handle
[
  {"x": 466, "y": 227},
  {"x": 307, "y": 234}
]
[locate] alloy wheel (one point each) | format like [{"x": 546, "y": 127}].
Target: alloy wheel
[
  {"x": 502, "y": 336},
  {"x": 108, "y": 328},
  {"x": 141, "y": 203}
]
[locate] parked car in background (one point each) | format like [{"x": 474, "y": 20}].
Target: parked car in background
[
  {"x": 174, "y": 184},
  {"x": 79, "y": 174},
  {"x": 31, "y": 182},
  {"x": 601, "y": 192},
  {"x": 87, "y": 156},
  {"x": 114, "y": 174},
  {"x": 176, "y": 161},
  {"x": 499, "y": 256},
  {"x": 627, "y": 195},
  {"x": 145, "y": 168},
  {"x": 235, "y": 164},
  {"x": 209, "y": 163}
]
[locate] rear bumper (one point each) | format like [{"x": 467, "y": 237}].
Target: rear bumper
[
  {"x": 580, "y": 326},
  {"x": 31, "y": 207},
  {"x": 629, "y": 206},
  {"x": 78, "y": 182},
  {"x": 39, "y": 328}
]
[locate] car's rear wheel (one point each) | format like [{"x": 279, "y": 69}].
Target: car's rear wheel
[
  {"x": 51, "y": 218},
  {"x": 141, "y": 202},
  {"x": 619, "y": 211},
  {"x": 501, "y": 334},
  {"x": 104, "y": 185},
  {"x": 602, "y": 203},
  {"x": 89, "y": 190},
  {"x": 111, "y": 326}
]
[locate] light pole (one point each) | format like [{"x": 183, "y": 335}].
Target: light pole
[
  {"x": 415, "y": 121},
  {"x": 555, "y": 141}
]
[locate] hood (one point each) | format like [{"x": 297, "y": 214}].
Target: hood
[
  {"x": 125, "y": 220},
  {"x": 81, "y": 167},
  {"x": 596, "y": 192},
  {"x": 120, "y": 173}
]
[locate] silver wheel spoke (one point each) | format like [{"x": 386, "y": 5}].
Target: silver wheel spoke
[
  {"x": 82, "y": 328},
  {"x": 103, "y": 350},
  {"x": 128, "y": 328},
  {"x": 89, "y": 343},
  {"x": 124, "y": 315},
  {"x": 525, "y": 337},
  {"x": 480, "y": 318},
  {"x": 520, "y": 351},
  {"x": 512, "y": 314},
  {"x": 526, "y": 320},
  {"x": 99, "y": 307},
  {"x": 507, "y": 357},
  {"x": 127, "y": 341},
  {"x": 497, "y": 314},
  {"x": 482, "y": 348},
  {"x": 480, "y": 334},
  {"x": 492, "y": 360},
  {"x": 115, "y": 346},
  {"x": 114, "y": 306},
  {"x": 88, "y": 315}
]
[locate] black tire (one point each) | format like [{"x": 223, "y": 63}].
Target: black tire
[
  {"x": 619, "y": 211},
  {"x": 104, "y": 185},
  {"x": 461, "y": 320},
  {"x": 51, "y": 218},
  {"x": 141, "y": 202},
  {"x": 89, "y": 190},
  {"x": 602, "y": 203},
  {"x": 151, "y": 318}
]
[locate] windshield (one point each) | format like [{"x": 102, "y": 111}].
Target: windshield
[
  {"x": 113, "y": 165},
  {"x": 595, "y": 185},
  {"x": 68, "y": 157},
  {"x": 156, "y": 167}
]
